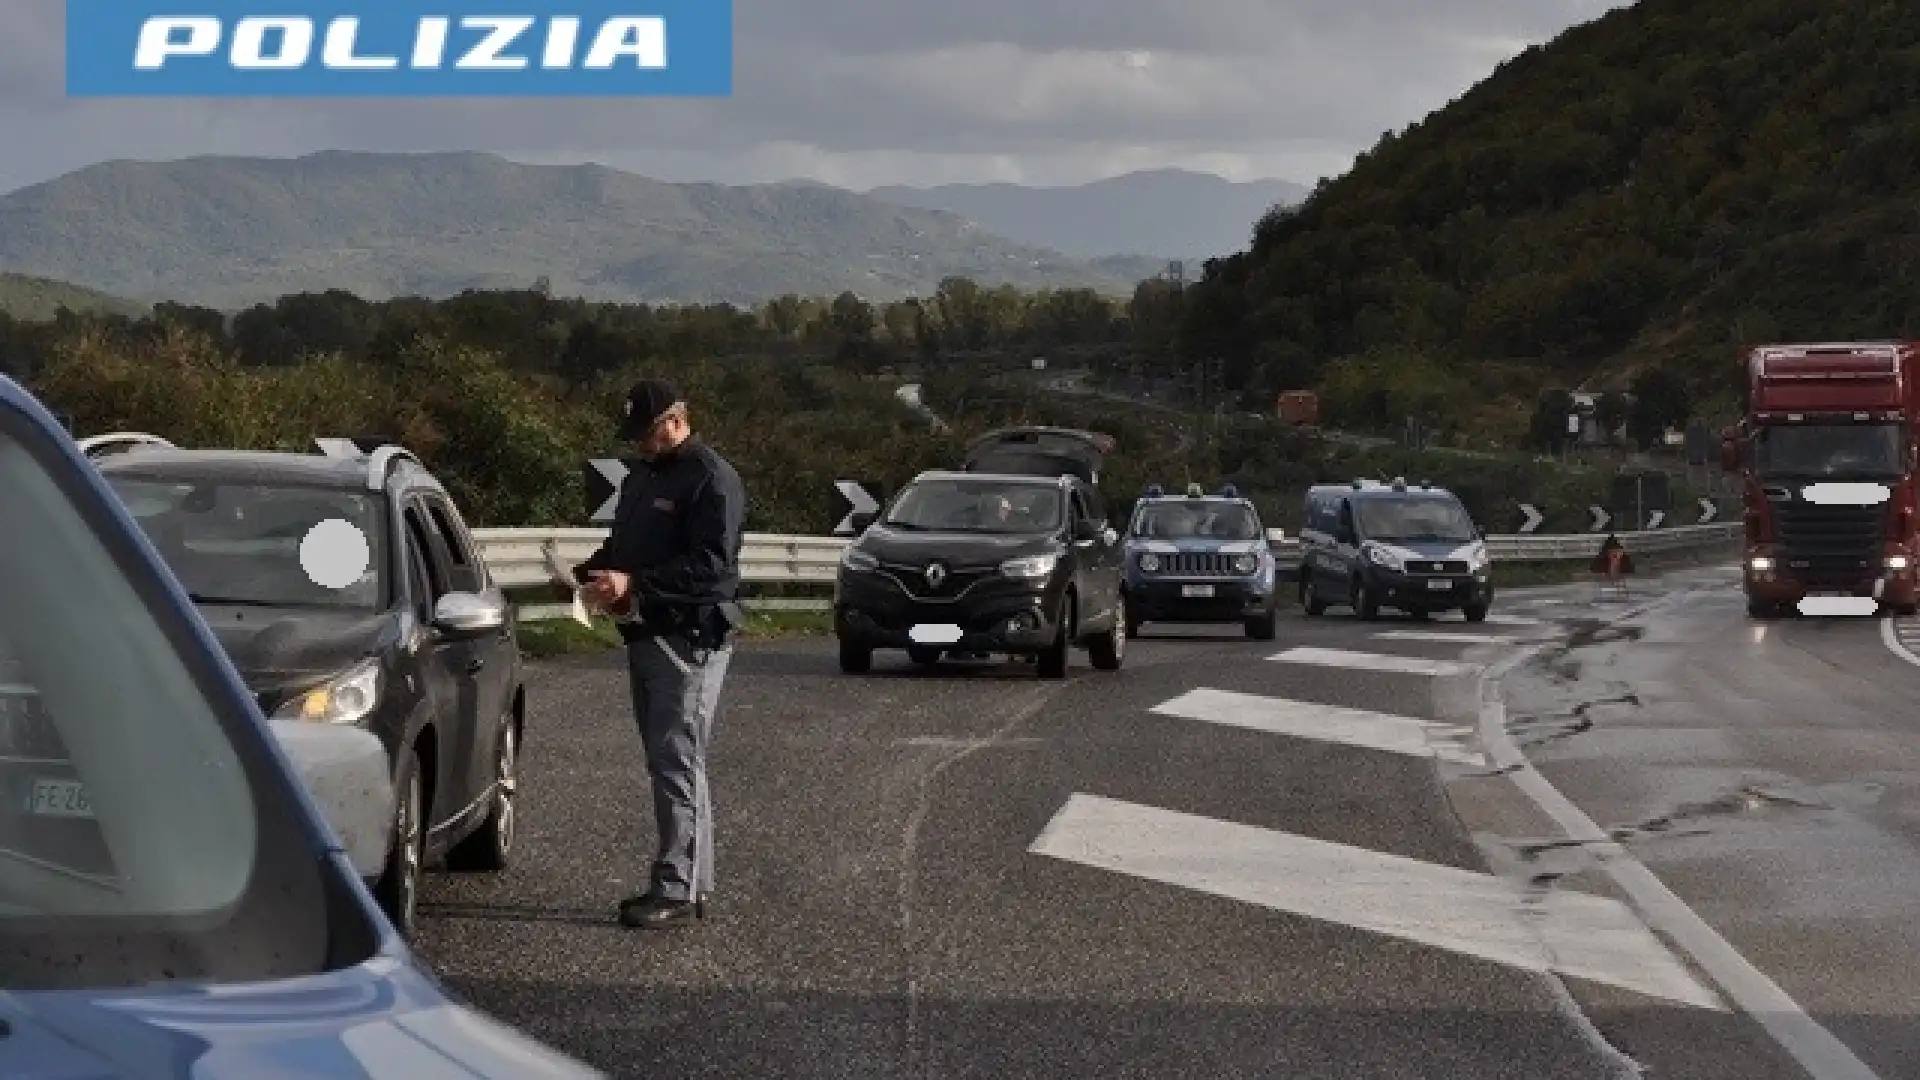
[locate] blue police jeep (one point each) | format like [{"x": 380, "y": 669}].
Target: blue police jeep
[{"x": 1199, "y": 559}]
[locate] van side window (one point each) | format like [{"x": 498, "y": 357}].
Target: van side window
[{"x": 1346, "y": 517}]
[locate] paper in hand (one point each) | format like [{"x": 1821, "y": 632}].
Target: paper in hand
[{"x": 560, "y": 573}]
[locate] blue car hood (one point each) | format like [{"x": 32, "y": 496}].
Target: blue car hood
[
  {"x": 380, "y": 1021},
  {"x": 1437, "y": 552}
]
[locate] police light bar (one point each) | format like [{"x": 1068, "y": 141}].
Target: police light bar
[
  {"x": 1155, "y": 491},
  {"x": 1228, "y": 491},
  {"x": 1193, "y": 491}
]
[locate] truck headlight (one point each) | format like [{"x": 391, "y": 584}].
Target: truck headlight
[
  {"x": 347, "y": 698},
  {"x": 1897, "y": 562},
  {"x": 1030, "y": 568},
  {"x": 1150, "y": 563},
  {"x": 1760, "y": 563},
  {"x": 858, "y": 561}
]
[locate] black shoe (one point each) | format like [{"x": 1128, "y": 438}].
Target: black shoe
[{"x": 652, "y": 910}]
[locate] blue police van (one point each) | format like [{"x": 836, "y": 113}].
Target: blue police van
[
  {"x": 1199, "y": 558},
  {"x": 1368, "y": 545}
]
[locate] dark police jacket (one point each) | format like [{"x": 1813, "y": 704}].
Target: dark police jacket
[{"x": 677, "y": 530}]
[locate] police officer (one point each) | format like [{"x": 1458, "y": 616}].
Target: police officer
[{"x": 669, "y": 572}]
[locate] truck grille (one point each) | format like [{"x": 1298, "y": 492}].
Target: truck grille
[{"x": 1828, "y": 545}]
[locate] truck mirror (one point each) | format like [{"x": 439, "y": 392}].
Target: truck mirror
[{"x": 1731, "y": 450}]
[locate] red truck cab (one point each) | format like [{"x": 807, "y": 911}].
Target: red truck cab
[{"x": 1827, "y": 460}]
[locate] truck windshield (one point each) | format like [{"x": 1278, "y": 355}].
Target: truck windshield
[
  {"x": 1828, "y": 450},
  {"x": 147, "y": 835}
]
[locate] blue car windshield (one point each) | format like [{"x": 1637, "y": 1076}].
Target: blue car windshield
[
  {"x": 146, "y": 834},
  {"x": 1198, "y": 519}
]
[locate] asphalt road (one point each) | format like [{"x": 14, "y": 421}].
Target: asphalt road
[
  {"x": 1200, "y": 866},
  {"x": 1769, "y": 775}
]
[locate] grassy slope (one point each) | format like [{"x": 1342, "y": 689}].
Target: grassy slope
[{"x": 33, "y": 299}]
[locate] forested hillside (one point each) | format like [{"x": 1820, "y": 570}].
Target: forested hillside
[{"x": 1649, "y": 192}]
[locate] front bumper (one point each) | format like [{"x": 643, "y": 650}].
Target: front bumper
[
  {"x": 1213, "y": 600},
  {"x": 998, "y": 616},
  {"x": 1895, "y": 588},
  {"x": 1427, "y": 592}
]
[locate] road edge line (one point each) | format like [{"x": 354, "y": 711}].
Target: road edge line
[
  {"x": 1816, "y": 1049},
  {"x": 1891, "y": 639}
]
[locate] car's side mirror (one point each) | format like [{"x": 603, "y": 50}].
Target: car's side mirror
[{"x": 469, "y": 614}]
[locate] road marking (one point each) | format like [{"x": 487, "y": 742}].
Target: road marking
[
  {"x": 1474, "y": 914},
  {"x": 1392, "y": 733},
  {"x": 1896, "y": 633},
  {"x": 1512, "y": 620},
  {"x": 1342, "y": 658},
  {"x": 1442, "y": 635},
  {"x": 1814, "y": 1047}
]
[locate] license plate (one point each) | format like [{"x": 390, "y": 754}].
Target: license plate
[
  {"x": 935, "y": 634},
  {"x": 59, "y": 798},
  {"x": 1439, "y": 586},
  {"x": 1196, "y": 590}
]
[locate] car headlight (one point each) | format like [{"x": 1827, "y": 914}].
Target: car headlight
[
  {"x": 1031, "y": 567},
  {"x": 1477, "y": 559},
  {"x": 1760, "y": 562},
  {"x": 858, "y": 561},
  {"x": 1381, "y": 557},
  {"x": 348, "y": 698},
  {"x": 1150, "y": 563},
  {"x": 1246, "y": 564}
]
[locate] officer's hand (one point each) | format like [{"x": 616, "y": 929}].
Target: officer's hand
[{"x": 610, "y": 587}]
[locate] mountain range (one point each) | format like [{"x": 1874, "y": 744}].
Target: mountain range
[
  {"x": 1165, "y": 213},
  {"x": 228, "y": 232}
]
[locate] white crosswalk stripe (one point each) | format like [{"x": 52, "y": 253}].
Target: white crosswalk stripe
[
  {"x": 1364, "y": 661},
  {"x": 1390, "y": 732},
  {"x": 1474, "y": 914}
]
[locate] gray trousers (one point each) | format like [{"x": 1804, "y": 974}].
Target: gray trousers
[{"x": 676, "y": 694}]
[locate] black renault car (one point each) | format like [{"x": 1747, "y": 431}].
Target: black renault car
[
  {"x": 1011, "y": 555},
  {"x": 400, "y": 632}
]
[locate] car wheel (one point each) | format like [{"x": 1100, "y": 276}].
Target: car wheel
[
  {"x": 1053, "y": 660},
  {"x": 1363, "y": 603},
  {"x": 1310, "y": 596},
  {"x": 399, "y": 890},
  {"x": 1475, "y": 612},
  {"x": 1109, "y": 650},
  {"x": 1762, "y": 609},
  {"x": 490, "y": 847},
  {"x": 855, "y": 659}
]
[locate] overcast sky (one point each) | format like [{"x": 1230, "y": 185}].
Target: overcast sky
[{"x": 869, "y": 92}]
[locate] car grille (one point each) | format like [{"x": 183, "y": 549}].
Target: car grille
[
  {"x": 1828, "y": 545},
  {"x": 1430, "y": 566},
  {"x": 25, "y": 730},
  {"x": 1198, "y": 564},
  {"x": 913, "y": 579}
]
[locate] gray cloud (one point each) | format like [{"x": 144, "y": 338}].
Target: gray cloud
[{"x": 855, "y": 92}]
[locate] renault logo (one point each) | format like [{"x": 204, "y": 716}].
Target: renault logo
[{"x": 936, "y": 573}]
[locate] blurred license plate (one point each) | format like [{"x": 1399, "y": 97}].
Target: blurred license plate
[
  {"x": 1196, "y": 590},
  {"x": 935, "y": 634},
  {"x": 1437, "y": 586},
  {"x": 59, "y": 798}
]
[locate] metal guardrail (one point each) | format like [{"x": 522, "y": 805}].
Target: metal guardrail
[{"x": 518, "y": 557}]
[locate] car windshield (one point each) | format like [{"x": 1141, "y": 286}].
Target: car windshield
[
  {"x": 147, "y": 834},
  {"x": 1828, "y": 450},
  {"x": 257, "y": 545},
  {"x": 1199, "y": 519},
  {"x": 1414, "y": 521},
  {"x": 984, "y": 506}
]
